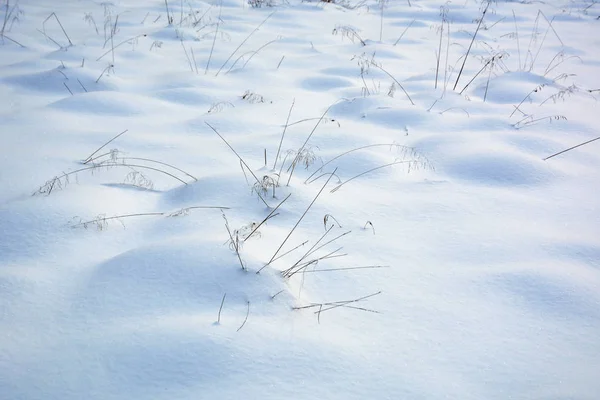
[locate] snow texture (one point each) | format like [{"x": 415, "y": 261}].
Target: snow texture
[{"x": 136, "y": 277}]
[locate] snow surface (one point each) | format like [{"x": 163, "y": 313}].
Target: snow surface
[{"x": 491, "y": 285}]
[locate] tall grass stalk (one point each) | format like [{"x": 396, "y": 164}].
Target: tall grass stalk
[
  {"x": 89, "y": 158},
  {"x": 283, "y": 134},
  {"x": 241, "y": 160},
  {"x": 212, "y": 48},
  {"x": 244, "y": 41},
  {"x": 571, "y": 148},
  {"x": 404, "y": 31},
  {"x": 296, "y": 225},
  {"x": 471, "y": 45}
]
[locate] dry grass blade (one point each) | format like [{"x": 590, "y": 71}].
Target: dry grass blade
[
  {"x": 258, "y": 51},
  {"x": 186, "y": 210},
  {"x": 241, "y": 160},
  {"x": 470, "y": 45},
  {"x": 187, "y": 56},
  {"x": 7, "y": 16},
  {"x": 161, "y": 163},
  {"x": 183, "y": 211},
  {"x": 410, "y": 150},
  {"x": 379, "y": 67},
  {"x": 571, "y": 148},
  {"x": 212, "y": 48},
  {"x": 112, "y": 49},
  {"x": 326, "y": 219},
  {"x": 234, "y": 242},
  {"x": 252, "y": 54},
  {"x": 313, "y": 250},
  {"x": 534, "y": 33},
  {"x": 81, "y": 84},
  {"x": 48, "y": 187},
  {"x": 455, "y": 108},
  {"x": 283, "y": 134},
  {"x": 245, "y": 319},
  {"x": 61, "y": 26},
  {"x": 169, "y": 18},
  {"x": 529, "y": 120},
  {"x": 331, "y": 303},
  {"x": 315, "y": 127},
  {"x": 299, "y": 153},
  {"x": 267, "y": 217},
  {"x": 89, "y": 158},
  {"x": 64, "y": 83},
  {"x": 326, "y": 243},
  {"x": 244, "y": 41},
  {"x": 517, "y": 36},
  {"x": 346, "y": 268},
  {"x": 325, "y": 174},
  {"x": 490, "y": 61},
  {"x": 443, "y": 15},
  {"x": 144, "y": 167},
  {"x": 296, "y": 225},
  {"x": 12, "y": 40},
  {"x": 108, "y": 68},
  {"x": 403, "y": 32},
  {"x": 221, "y": 308},
  {"x": 535, "y": 90},
  {"x": 544, "y": 40},
  {"x": 310, "y": 119},
  {"x": 343, "y": 303},
  {"x": 308, "y": 252},
  {"x": 118, "y": 217},
  {"x": 49, "y": 38},
  {"x": 562, "y": 59},
  {"x": 335, "y": 189},
  {"x": 303, "y": 267},
  {"x": 289, "y": 251}
]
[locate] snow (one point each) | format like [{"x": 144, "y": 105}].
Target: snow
[{"x": 484, "y": 271}]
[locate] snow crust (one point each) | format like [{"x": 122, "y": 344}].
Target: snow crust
[{"x": 483, "y": 278}]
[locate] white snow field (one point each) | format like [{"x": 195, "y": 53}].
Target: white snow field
[{"x": 422, "y": 248}]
